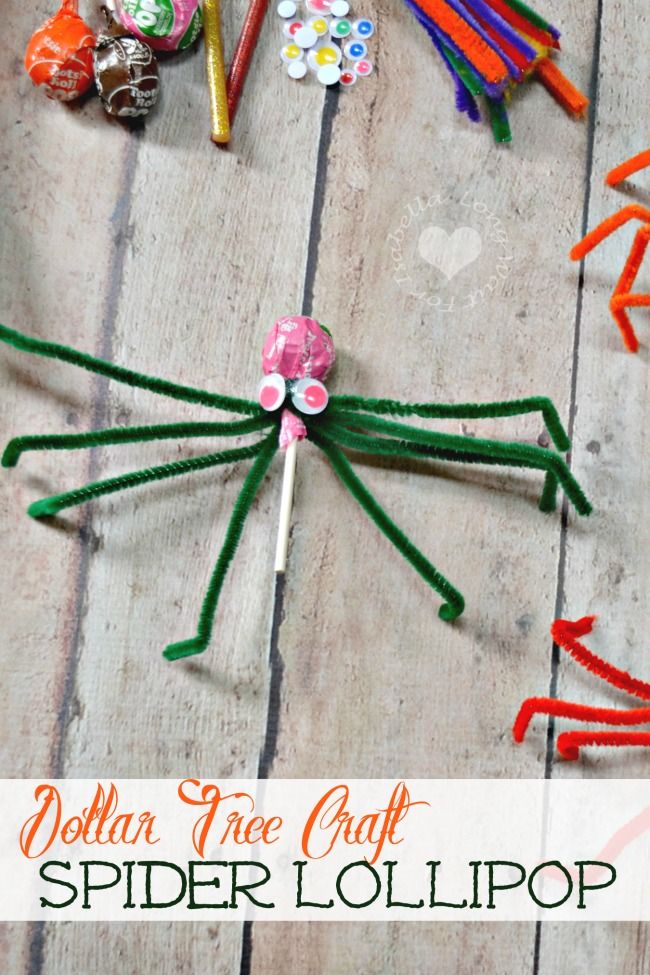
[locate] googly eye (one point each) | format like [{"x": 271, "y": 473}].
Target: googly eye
[
  {"x": 309, "y": 396},
  {"x": 340, "y": 27},
  {"x": 286, "y": 9},
  {"x": 271, "y": 392},
  {"x": 363, "y": 29},
  {"x": 291, "y": 52},
  {"x": 355, "y": 50}
]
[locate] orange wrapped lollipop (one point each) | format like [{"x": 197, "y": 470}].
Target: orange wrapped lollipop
[{"x": 59, "y": 56}]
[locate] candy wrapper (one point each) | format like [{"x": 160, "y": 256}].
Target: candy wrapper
[
  {"x": 166, "y": 25},
  {"x": 126, "y": 74},
  {"x": 59, "y": 56},
  {"x": 296, "y": 348}
]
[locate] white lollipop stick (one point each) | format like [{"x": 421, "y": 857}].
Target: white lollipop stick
[{"x": 286, "y": 504}]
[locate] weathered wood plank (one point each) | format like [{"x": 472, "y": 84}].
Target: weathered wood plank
[
  {"x": 56, "y": 253},
  {"x": 215, "y": 246},
  {"x": 373, "y": 683},
  {"x": 607, "y": 568}
]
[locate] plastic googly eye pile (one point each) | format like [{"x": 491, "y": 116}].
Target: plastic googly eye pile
[{"x": 322, "y": 38}]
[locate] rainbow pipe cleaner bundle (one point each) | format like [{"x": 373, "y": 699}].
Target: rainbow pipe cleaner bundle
[
  {"x": 489, "y": 48},
  {"x": 293, "y": 405}
]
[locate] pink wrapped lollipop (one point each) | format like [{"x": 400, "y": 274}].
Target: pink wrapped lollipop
[
  {"x": 165, "y": 25},
  {"x": 297, "y": 354}
]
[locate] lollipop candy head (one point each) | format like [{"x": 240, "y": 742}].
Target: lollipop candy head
[
  {"x": 298, "y": 353},
  {"x": 166, "y": 25},
  {"x": 126, "y": 73},
  {"x": 298, "y": 347},
  {"x": 59, "y": 56}
]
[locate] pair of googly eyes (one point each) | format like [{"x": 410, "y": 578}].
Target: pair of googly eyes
[{"x": 307, "y": 395}]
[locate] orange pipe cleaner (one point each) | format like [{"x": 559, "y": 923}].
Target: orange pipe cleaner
[
  {"x": 628, "y": 168},
  {"x": 491, "y": 66},
  {"x": 622, "y": 297},
  {"x": 515, "y": 56},
  {"x": 560, "y": 87},
  {"x": 565, "y": 634}
]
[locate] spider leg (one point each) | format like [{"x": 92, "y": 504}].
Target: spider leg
[
  {"x": 388, "y": 447},
  {"x": 56, "y": 503},
  {"x": 621, "y": 298},
  {"x": 632, "y": 212},
  {"x": 628, "y": 168},
  {"x": 459, "y": 411},
  {"x": 254, "y": 478},
  {"x": 119, "y": 435},
  {"x": 454, "y": 602},
  {"x": 515, "y": 454},
  {"x": 569, "y": 743},
  {"x": 565, "y": 634},
  {"x": 577, "y": 712},
  {"x": 163, "y": 387}
]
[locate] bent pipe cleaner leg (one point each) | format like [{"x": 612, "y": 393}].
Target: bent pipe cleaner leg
[
  {"x": 404, "y": 448},
  {"x": 565, "y": 634},
  {"x": 517, "y": 453},
  {"x": 548, "y": 497},
  {"x": 119, "y": 435},
  {"x": 250, "y": 487},
  {"x": 163, "y": 387},
  {"x": 57, "y": 502},
  {"x": 621, "y": 298},
  {"x": 628, "y": 168},
  {"x": 551, "y": 706},
  {"x": 454, "y": 602},
  {"x": 461, "y": 411},
  {"x": 618, "y": 305},
  {"x": 569, "y": 743},
  {"x": 632, "y": 212}
]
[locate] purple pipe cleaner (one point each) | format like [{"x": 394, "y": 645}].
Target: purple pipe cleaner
[
  {"x": 462, "y": 11},
  {"x": 432, "y": 29},
  {"x": 495, "y": 20},
  {"x": 465, "y": 101}
]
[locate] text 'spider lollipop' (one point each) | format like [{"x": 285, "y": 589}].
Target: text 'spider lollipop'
[{"x": 293, "y": 405}]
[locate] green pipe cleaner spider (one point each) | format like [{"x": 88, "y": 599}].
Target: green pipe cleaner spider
[{"x": 292, "y": 404}]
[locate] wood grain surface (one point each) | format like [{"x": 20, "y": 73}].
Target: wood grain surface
[{"x": 155, "y": 249}]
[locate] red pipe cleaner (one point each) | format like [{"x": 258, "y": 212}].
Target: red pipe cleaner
[{"x": 565, "y": 634}]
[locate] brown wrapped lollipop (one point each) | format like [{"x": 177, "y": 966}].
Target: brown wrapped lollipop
[{"x": 126, "y": 73}]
